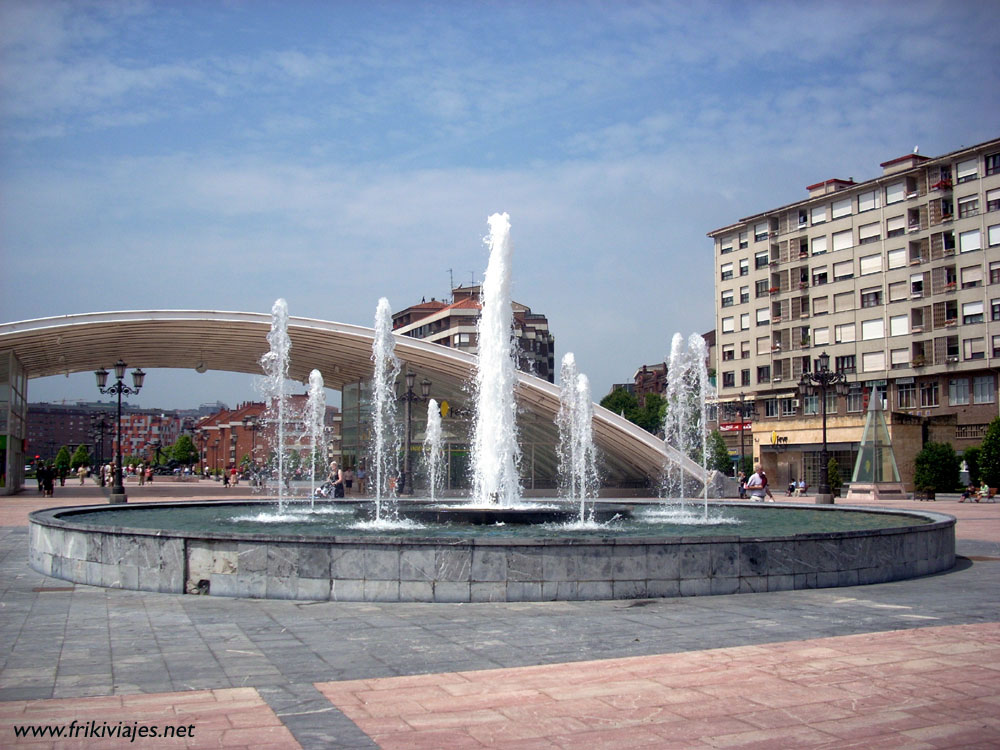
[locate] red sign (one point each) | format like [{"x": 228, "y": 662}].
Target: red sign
[{"x": 730, "y": 426}]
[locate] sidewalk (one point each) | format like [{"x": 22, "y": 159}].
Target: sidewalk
[{"x": 912, "y": 664}]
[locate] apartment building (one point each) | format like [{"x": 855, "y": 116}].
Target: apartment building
[
  {"x": 897, "y": 278},
  {"x": 455, "y": 325}
]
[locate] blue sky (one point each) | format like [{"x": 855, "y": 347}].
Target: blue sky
[{"x": 218, "y": 155}]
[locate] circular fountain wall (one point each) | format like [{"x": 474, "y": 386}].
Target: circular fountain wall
[{"x": 114, "y": 547}]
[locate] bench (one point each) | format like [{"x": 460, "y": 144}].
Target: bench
[{"x": 990, "y": 498}]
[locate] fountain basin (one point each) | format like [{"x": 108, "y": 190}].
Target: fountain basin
[{"x": 98, "y": 545}]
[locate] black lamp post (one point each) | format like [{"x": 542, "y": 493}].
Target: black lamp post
[
  {"x": 118, "y": 388},
  {"x": 823, "y": 380},
  {"x": 408, "y": 399},
  {"x": 744, "y": 410}
]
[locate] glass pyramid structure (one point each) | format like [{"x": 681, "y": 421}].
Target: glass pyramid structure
[{"x": 876, "y": 462}]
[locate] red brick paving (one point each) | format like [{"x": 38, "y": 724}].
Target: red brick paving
[
  {"x": 924, "y": 688},
  {"x": 234, "y": 718}
]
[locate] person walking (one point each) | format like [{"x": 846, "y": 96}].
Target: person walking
[{"x": 82, "y": 473}]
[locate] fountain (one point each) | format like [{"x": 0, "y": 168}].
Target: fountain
[
  {"x": 275, "y": 366},
  {"x": 685, "y": 423},
  {"x": 433, "y": 448},
  {"x": 577, "y": 459},
  {"x": 315, "y": 420},
  {"x": 507, "y": 553},
  {"x": 386, "y": 438}
]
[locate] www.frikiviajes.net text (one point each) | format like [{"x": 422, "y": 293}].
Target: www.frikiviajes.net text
[{"x": 103, "y": 730}]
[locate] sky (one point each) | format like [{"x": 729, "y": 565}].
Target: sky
[{"x": 219, "y": 155}]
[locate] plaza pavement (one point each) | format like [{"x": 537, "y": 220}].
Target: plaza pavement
[{"x": 909, "y": 664}]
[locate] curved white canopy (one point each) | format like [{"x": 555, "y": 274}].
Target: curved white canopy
[{"x": 235, "y": 341}]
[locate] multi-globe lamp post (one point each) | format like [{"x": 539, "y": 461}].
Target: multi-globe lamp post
[
  {"x": 821, "y": 381},
  {"x": 409, "y": 398},
  {"x": 745, "y": 410},
  {"x": 118, "y": 388}
]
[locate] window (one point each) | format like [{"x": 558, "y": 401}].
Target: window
[
  {"x": 726, "y": 245},
  {"x": 744, "y": 267},
  {"x": 821, "y": 305},
  {"x": 899, "y": 325},
  {"x": 843, "y": 301},
  {"x": 983, "y": 389},
  {"x": 967, "y": 170},
  {"x": 728, "y": 352},
  {"x": 819, "y": 245},
  {"x": 803, "y": 217},
  {"x": 745, "y": 322},
  {"x": 727, "y": 298},
  {"x": 871, "y": 297},
  {"x": 974, "y": 348},
  {"x": 727, "y": 271},
  {"x": 843, "y": 270},
  {"x": 867, "y": 201},
  {"x": 916, "y": 284},
  {"x": 819, "y": 214},
  {"x": 844, "y": 333},
  {"x": 729, "y": 380},
  {"x": 898, "y": 291},
  {"x": 868, "y": 233},
  {"x": 968, "y": 241},
  {"x": 743, "y": 240},
  {"x": 820, "y": 336},
  {"x": 855, "y": 397},
  {"x": 896, "y": 258},
  {"x": 895, "y": 192},
  {"x": 993, "y": 233},
  {"x": 872, "y": 329},
  {"x": 968, "y": 206},
  {"x": 810, "y": 404},
  {"x": 972, "y": 276},
  {"x": 843, "y": 240},
  {"x": 895, "y": 226},
  {"x": 763, "y": 345},
  {"x": 760, "y": 288},
  {"x": 958, "y": 391},
  {"x": 771, "y": 407},
  {"x": 787, "y": 407},
  {"x": 872, "y": 361},
  {"x": 761, "y": 259},
  {"x": 744, "y": 350},
  {"x": 929, "y": 393},
  {"x": 728, "y": 325},
  {"x": 906, "y": 395},
  {"x": 760, "y": 231},
  {"x": 744, "y": 294},
  {"x": 992, "y": 163},
  {"x": 993, "y": 200},
  {"x": 899, "y": 358},
  {"x": 744, "y": 377},
  {"x": 764, "y": 374},
  {"x": 995, "y": 309},
  {"x": 841, "y": 208},
  {"x": 763, "y": 315},
  {"x": 819, "y": 276}
]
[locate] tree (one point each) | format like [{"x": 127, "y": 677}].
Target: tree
[
  {"x": 936, "y": 468},
  {"x": 989, "y": 455},
  {"x": 81, "y": 457},
  {"x": 62, "y": 461},
  {"x": 184, "y": 451},
  {"x": 621, "y": 402},
  {"x": 718, "y": 453},
  {"x": 833, "y": 477}
]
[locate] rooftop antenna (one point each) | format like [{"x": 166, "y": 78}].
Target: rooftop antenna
[{"x": 451, "y": 280}]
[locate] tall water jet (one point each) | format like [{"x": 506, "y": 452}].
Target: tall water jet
[
  {"x": 275, "y": 366},
  {"x": 433, "y": 447},
  {"x": 315, "y": 419},
  {"x": 684, "y": 426},
  {"x": 495, "y": 451},
  {"x": 385, "y": 427},
  {"x": 577, "y": 457}
]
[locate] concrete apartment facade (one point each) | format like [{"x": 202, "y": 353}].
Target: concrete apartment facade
[{"x": 898, "y": 279}]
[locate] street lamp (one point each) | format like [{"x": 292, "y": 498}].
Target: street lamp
[
  {"x": 118, "y": 388},
  {"x": 823, "y": 380},
  {"x": 408, "y": 399},
  {"x": 744, "y": 410}
]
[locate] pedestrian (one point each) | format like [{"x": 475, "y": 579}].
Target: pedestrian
[
  {"x": 141, "y": 471},
  {"x": 767, "y": 490},
  {"x": 348, "y": 480},
  {"x": 48, "y": 480},
  {"x": 225, "y": 477},
  {"x": 743, "y": 485},
  {"x": 362, "y": 479},
  {"x": 82, "y": 473},
  {"x": 234, "y": 477},
  {"x": 336, "y": 478},
  {"x": 755, "y": 485}
]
